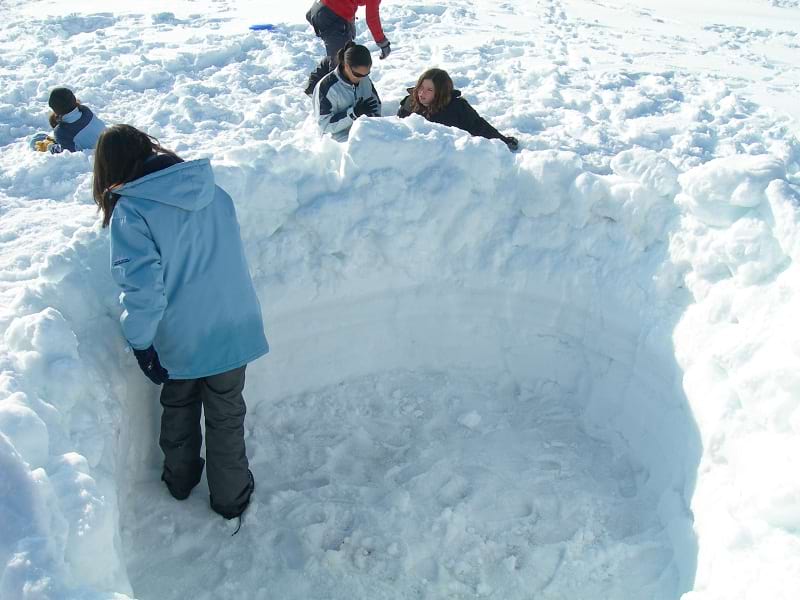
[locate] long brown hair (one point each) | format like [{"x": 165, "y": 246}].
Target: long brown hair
[
  {"x": 443, "y": 92},
  {"x": 119, "y": 158}
]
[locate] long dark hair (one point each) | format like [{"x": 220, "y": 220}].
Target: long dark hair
[
  {"x": 354, "y": 55},
  {"x": 443, "y": 92},
  {"x": 119, "y": 158}
]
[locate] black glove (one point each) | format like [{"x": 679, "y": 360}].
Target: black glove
[
  {"x": 385, "y": 48},
  {"x": 150, "y": 365},
  {"x": 512, "y": 143},
  {"x": 366, "y": 106}
]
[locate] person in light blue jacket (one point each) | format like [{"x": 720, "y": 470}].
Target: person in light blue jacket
[
  {"x": 75, "y": 127},
  {"x": 191, "y": 313}
]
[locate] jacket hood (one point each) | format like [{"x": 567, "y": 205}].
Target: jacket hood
[{"x": 188, "y": 185}]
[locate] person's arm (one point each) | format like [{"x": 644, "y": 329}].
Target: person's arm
[
  {"x": 64, "y": 141},
  {"x": 476, "y": 124},
  {"x": 404, "y": 110},
  {"x": 374, "y": 94},
  {"x": 328, "y": 120},
  {"x": 136, "y": 267},
  {"x": 374, "y": 21}
]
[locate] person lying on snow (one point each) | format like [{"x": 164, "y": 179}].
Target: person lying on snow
[
  {"x": 75, "y": 127},
  {"x": 435, "y": 99}
]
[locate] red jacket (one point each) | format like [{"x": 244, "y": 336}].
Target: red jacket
[{"x": 347, "y": 10}]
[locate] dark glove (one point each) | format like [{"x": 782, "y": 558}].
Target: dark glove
[
  {"x": 55, "y": 149},
  {"x": 385, "y": 48},
  {"x": 512, "y": 143},
  {"x": 150, "y": 365},
  {"x": 365, "y": 106}
]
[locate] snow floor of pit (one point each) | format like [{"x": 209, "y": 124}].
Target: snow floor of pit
[{"x": 413, "y": 484}]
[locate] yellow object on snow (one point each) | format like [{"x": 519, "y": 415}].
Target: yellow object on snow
[{"x": 44, "y": 145}]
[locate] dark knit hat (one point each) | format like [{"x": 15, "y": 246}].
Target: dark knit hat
[{"x": 62, "y": 100}]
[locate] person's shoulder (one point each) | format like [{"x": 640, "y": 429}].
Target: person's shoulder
[
  {"x": 457, "y": 98},
  {"x": 459, "y": 103},
  {"x": 327, "y": 82},
  {"x": 404, "y": 110},
  {"x": 330, "y": 79},
  {"x": 125, "y": 209}
]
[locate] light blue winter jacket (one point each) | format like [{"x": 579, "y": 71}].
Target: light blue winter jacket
[{"x": 177, "y": 254}]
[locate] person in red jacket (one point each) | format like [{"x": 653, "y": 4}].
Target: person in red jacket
[{"x": 334, "y": 22}]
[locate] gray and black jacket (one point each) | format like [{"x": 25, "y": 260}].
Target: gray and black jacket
[
  {"x": 78, "y": 130},
  {"x": 334, "y": 99}
]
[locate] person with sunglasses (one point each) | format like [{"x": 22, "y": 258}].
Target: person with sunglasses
[
  {"x": 435, "y": 99},
  {"x": 346, "y": 93}
]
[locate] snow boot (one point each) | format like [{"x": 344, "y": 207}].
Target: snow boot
[
  {"x": 180, "y": 490},
  {"x": 236, "y": 511}
]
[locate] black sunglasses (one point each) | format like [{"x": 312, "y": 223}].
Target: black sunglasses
[{"x": 357, "y": 74}]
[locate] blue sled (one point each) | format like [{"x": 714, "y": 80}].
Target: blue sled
[{"x": 263, "y": 27}]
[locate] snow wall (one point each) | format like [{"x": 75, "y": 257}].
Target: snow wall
[{"x": 413, "y": 248}]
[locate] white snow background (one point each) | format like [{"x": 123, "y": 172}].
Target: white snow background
[{"x": 572, "y": 372}]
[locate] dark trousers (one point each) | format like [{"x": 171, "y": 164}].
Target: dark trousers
[
  {"x": 335, "y": 32},
  {"x": 221, "y": 397}
]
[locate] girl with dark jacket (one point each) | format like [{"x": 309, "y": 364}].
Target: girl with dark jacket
[
  {"x": 190, "y": 311},
  {"x": 435, "y": 99}
]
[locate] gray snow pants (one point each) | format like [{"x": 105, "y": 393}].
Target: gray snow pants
[
  {"x": 221, "y": 397},
  {"x": 335, "y": 32}
]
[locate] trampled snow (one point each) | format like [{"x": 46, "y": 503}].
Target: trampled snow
[{"x": 568, "y": 372}]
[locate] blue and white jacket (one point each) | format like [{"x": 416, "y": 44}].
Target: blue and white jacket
[
  {"x": 177, "y": 254},
  {"x": 78, "y": 130},
  {"x": 334, "y": 99}
]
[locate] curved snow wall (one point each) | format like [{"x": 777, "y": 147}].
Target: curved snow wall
[
  {"x": 419, "y": 249},
  {"x": 429, "y": 250}
]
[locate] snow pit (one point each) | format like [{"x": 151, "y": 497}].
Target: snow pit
[
  {"x": 486, "y": 367},
  {"x": 466, "y": 397}
]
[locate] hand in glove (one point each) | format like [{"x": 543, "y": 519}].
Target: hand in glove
[
  {"x": 150, "y": 365},
  {"x": 512, "y": 143},
  {"x": 366, "y": 106},
  {"x": 386, "y": 49}
]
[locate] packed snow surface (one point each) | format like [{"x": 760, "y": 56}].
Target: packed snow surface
[{"x": 567, "y": 372}]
